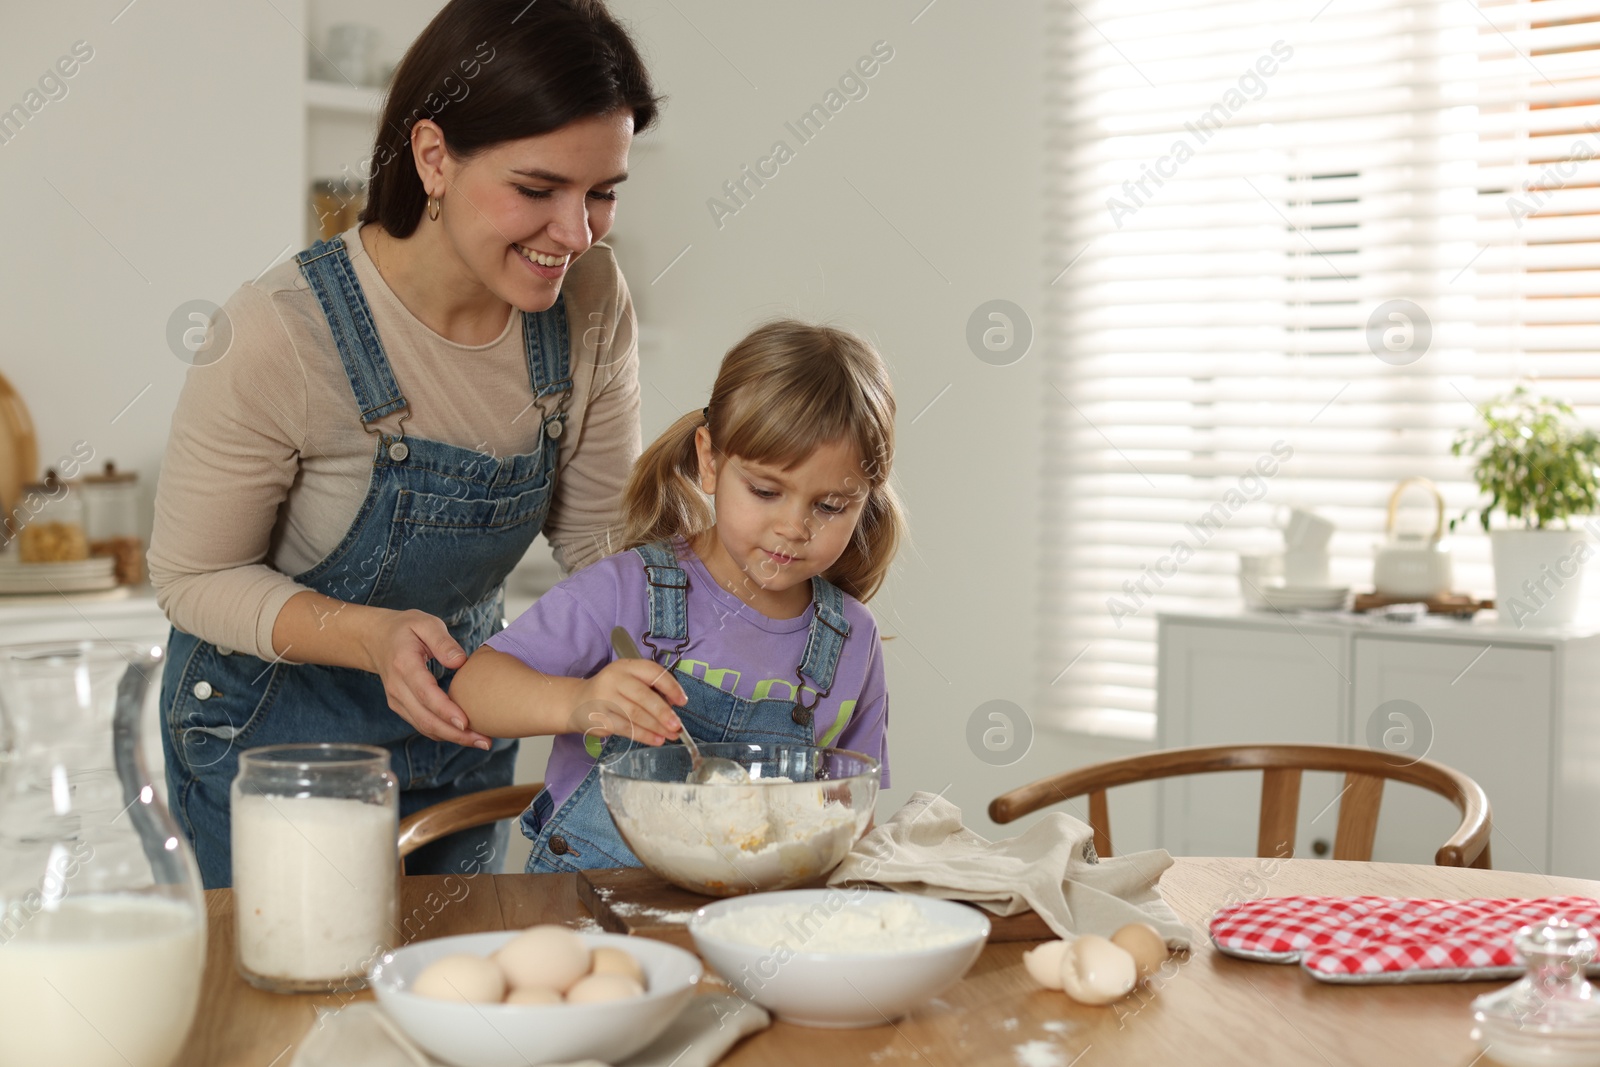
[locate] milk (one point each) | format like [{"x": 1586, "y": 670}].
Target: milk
[
  {"x": 103, "y": 981},
  {"x": 314, "y": 887}
]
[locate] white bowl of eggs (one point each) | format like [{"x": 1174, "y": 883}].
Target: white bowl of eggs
[{"x": 542, "y": 995}]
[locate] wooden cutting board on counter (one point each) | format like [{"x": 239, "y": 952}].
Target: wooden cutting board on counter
[{"x": 634, "y": 900}]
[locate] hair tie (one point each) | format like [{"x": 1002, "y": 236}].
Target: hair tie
[{"x": 705, "y": 413}]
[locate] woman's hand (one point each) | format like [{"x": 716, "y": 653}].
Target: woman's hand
[
  {"x": 398, "y": 646},
  {"x": 630, "y": 698}
]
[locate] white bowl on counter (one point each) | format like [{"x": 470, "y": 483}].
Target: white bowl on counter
[
  {"x": 516, "y": 1035},
  {"x": 840, "y": 989}
]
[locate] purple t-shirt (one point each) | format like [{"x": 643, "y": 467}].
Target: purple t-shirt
[{"x": 732, "y": 646}]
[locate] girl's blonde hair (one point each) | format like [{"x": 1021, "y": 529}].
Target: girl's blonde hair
[{"x": 784, "y": 391}]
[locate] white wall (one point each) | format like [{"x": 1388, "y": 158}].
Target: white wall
[
  {"x": 183, "y": 144},
  {"x": 176, "y": 160}
]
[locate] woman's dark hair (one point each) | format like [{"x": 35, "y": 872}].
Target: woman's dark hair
[{"x": 490, "y": 71}]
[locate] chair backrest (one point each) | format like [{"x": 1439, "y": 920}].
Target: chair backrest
[
  {"x": 463, "y": 813},
  {"x": 1365, "y": 771}
]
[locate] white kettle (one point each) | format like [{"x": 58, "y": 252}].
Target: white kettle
[{"x": 1413, "y": 564}]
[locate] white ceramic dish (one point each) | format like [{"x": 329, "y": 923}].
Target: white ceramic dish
[
  {"x": 72, "y": 576},
  {"x": 507, "y": 1035},
  {"x": 840, "y": 989},
  {"x": 1305, "y": 597}
]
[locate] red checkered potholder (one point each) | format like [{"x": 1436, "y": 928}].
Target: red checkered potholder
[{"x": 1385, "y": 939}]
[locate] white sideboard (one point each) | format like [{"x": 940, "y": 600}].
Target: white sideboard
[{"x": 1517, "y": 710}]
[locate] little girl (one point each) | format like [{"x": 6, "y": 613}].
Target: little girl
[{"x": 751, "y": 609}]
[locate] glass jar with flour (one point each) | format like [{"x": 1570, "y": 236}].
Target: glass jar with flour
[{"x": 315, "y": 864}]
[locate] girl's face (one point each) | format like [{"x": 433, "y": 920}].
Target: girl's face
[
  {"x": 539, "y": 198},
  {"x": 778, "y": 528}
]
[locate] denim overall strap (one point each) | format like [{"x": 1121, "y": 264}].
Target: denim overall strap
[
  {"x": 327, "y": 267},
  {"x": 545, "y": 339},
  {"x": 667, "y": 587},
  {"x": 829, "y": 628}
]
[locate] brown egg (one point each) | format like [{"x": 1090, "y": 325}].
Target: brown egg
[
  {"x": 1145, "y": 944},
  {"x": 550, "y": 956},
  {"x": 602, "y": 987},
  {"x": 1094, "y": 971},
  {"x": 462, "y": 977},
  {"x": 608, "y": 960},
  {"x": 532, "y": 994},
  {"x": 1044, "y": 963}
]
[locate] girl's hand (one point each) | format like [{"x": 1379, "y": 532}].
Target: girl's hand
[
  {"x": 630, "y": 698},
  {"x": 398, "y": 645}
]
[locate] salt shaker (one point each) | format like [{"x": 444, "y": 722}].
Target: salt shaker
[
  {"x": 1551, "y": 1016},
  {"x": 315, "y": 864}
]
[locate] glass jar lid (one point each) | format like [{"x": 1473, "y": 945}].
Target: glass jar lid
[
  {"x": 110, "y": 476},
  {"x": 1551, "y": 1015}
]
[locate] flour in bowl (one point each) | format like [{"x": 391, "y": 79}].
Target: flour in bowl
[
  {"x": 772, "y": 831},
  {"x": 876, "y": 927}
]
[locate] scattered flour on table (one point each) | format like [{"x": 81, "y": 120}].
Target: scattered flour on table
[
  {"x": 1040, "y": 1054},
  {"x": 889, "y": 926},
  {"x": 1009, "y": 1024},
  {"x": 1057, "y": 1026},
  {"x": 660, "y": 915},
  {"x": 586, "y": 925}
]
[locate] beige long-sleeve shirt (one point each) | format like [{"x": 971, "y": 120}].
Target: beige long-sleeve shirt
[{"x": 268, "y": 463}]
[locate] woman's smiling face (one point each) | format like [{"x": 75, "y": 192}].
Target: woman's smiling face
[{"x": 519, "y": 213}]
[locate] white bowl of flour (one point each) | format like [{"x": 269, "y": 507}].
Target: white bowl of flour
[
  {"x": 839, "y": 957},
  {"x": 791, "y": 824}
]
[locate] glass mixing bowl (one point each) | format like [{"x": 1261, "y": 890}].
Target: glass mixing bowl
[{"x": 794, "y": 822}]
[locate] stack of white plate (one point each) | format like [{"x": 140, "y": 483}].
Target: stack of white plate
[
  {"x": 80, "y": 576},
  {"x": 1305, "y": 597}
]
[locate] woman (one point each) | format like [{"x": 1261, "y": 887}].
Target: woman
[{"x": 401, "y": 411}]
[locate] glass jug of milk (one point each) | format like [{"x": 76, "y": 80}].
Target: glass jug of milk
[{"x": 102, "y": 917}]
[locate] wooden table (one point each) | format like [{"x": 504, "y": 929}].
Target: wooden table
[{"x": 1213, "y": 1010}]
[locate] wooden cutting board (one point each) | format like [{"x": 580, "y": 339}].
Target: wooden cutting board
[{"x": 633, "y": 900}]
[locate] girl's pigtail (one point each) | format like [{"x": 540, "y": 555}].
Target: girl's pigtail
[{"x": 663, "y": 498}]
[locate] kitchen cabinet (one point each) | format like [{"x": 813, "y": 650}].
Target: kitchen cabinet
[{"x": 1517, "y": 710}]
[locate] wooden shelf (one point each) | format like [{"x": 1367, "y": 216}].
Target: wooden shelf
[{"x": 341, "y": 99}]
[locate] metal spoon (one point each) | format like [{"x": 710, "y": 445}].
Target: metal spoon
[{"x": 704, "y": 769}]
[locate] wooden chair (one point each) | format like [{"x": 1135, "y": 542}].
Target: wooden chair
[
  {"x": 1364, "y": 773},
  {"x": 463, "y": 813}
]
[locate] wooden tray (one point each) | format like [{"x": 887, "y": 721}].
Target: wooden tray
[
  {"x": 1460, "y": 604},
  {"x": 633, "y": 900}
]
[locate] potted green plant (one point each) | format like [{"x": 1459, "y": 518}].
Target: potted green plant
[{"x": 1540, "y": 468}]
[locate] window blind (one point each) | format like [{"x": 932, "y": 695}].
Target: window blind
[{"x": 1296, "y": 245}]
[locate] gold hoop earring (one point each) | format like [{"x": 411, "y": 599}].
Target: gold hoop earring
[{"x": 433, "y": 209}]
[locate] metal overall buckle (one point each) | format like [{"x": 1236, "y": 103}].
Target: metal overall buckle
[{"x": 398, "y": 449}]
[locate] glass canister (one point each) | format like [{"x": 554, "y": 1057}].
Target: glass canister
[
  {"x": 52, "y": 523},
  {"x": 111, "y": 520},
  {"x": 102, "y": 918},
  {"x": 316, "y": 864}
]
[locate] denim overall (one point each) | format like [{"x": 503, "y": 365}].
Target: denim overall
[
  {"x": 580, "y": 834},
  {"x": 439, "y": 530}
]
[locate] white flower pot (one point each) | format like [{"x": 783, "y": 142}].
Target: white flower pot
[{"x": 1538, "y": 575}]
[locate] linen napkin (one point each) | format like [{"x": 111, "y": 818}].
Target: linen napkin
[
  {"x": 1051, "y": 867},
  {"x": 361, "y": 1035}
]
